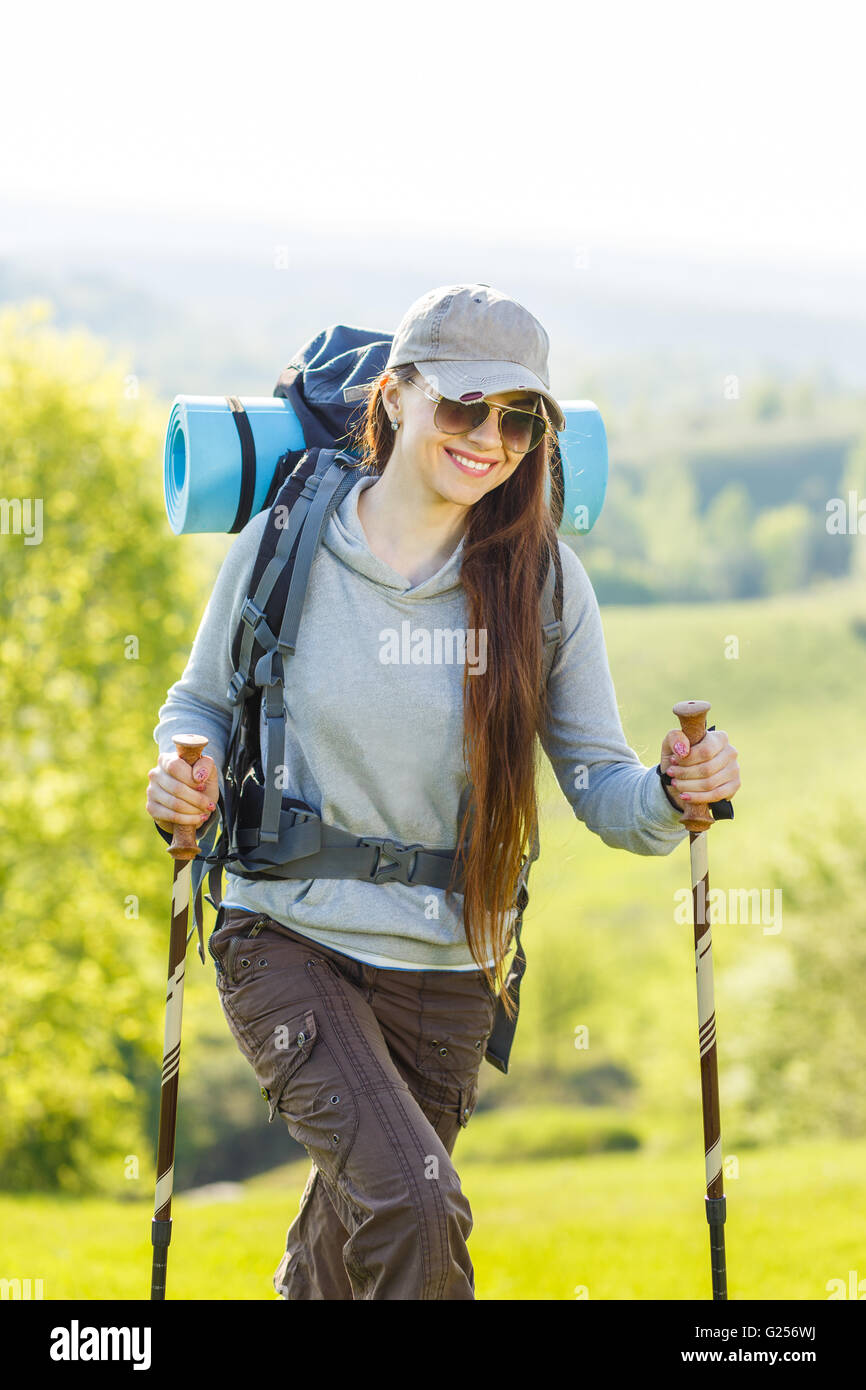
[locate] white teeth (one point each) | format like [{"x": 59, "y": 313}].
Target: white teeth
[{"x": 468, "y": 463}]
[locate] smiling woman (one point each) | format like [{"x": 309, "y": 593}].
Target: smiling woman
[
  {"x": 460, "y": 459},
  {"x": 366, "y": 995}
]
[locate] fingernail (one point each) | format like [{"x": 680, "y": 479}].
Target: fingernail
[{"x": 680, "y": 748}]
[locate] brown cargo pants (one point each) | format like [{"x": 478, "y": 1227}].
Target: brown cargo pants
[{"x": 375, "y": 1072}]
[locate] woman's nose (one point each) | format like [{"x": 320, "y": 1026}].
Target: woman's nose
[{"x": 486, "y": 435}]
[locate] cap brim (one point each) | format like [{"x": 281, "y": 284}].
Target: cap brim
[{"x": 456, "y": 379}]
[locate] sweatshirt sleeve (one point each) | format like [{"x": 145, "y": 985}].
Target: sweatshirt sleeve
[
  {"x": 608, "y": 787},
  {"x": 198, "y": 702}
]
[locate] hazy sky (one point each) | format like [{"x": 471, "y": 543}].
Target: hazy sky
[{"x": 727, "y": 129}]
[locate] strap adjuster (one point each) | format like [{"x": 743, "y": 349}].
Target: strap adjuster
[
  {"x": 237, "y": 686},
  {"x": 401, "y": 854},
  {"x": 552, "y": 631},
  {"x": 521, "y": 897},
  {"x": 252, "y": 615}
]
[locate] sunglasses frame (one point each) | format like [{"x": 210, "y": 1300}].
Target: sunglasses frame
[{"x": 502, "y": 410}]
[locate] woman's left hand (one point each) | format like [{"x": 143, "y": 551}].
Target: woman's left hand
[{"x": 708, "y": 772}]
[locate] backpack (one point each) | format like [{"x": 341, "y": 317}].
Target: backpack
[{"x": 261, "y": 832}]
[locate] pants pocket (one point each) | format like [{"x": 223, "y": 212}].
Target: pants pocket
[
  {"x": 456, "y": 1019},
  {"x": 281, "y": 1056},
  {"x": 233, "y": 928},
  {"x": 302, "y": 1082},
  {"x": 468, "y": 1102}
]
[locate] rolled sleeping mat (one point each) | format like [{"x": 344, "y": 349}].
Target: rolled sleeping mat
[
  {"x": 221, "y": 452},
  {"x": 583, "y": 450},
  {"x": 220, "y": 456}
]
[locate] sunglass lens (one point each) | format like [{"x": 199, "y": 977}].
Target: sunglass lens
[
  {"x": 454, "y": 417},
  {"x": 521, "y": 431}
]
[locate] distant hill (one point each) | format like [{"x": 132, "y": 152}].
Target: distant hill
[{"x": 206, "y": 308}]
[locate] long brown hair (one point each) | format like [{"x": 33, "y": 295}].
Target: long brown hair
[{"x": 509, "y": 536}]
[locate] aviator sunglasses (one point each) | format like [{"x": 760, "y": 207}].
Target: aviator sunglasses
[{"x": 519, "y": 430}]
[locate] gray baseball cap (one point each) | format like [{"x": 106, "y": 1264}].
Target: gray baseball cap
[{"x": 470, "y": 341}]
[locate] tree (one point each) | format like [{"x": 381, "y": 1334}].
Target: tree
[
  {"x": 781, "y": 538},
  {"x": 730, "y": 557},
  {"x": 98, "y": 615}
]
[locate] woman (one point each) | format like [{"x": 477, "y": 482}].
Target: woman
[{"x": 362, "y": 1007}]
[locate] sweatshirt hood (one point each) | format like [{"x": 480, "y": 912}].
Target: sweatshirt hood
[{"x": 345, "y": 537}]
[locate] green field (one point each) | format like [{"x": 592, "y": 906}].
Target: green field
[
  {"x": 584, "y": 1168},
  {"x": 610, "y": 1226}
]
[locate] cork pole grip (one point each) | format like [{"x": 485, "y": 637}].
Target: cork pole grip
[
  {"x": 184, "y": 844},
  {"x": 692, "y": 715}
]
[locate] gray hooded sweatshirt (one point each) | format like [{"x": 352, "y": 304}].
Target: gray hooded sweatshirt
[{"x": 374, "y": 731}]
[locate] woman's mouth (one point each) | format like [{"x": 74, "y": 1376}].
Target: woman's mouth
[{"x": 466, "y": 465}]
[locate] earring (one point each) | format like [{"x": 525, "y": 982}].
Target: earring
[{"x": 395, "y": 424}]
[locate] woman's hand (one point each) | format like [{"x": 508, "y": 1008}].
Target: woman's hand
[
  {"x": 708, "y": 772},
  {"x": 178, "y": 794}
]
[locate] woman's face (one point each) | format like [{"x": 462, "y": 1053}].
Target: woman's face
[{"x": 445, "y": 461}]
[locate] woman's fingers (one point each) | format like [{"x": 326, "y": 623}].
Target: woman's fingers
[
  {"x": 162, "y": 806},
  {"x": 719, "y": 792},
  {"x": 710, "y": 772},
  {"x": 171, "y": 798},
  {"x": 714, "y": 780},
  {"x": 701, "y": 771}
]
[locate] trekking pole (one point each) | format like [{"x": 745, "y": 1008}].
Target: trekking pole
[
  {"x": 183, "y": 849},
  {"x": 692, "y": 715}
]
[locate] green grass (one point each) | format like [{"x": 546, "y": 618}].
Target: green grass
[
  {"x": 617, "y": 1225},
  {"x": 559, "y": 1199},
  {"x": 603, "y": 948}
]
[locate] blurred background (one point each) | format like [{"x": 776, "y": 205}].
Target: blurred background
[{"x": 186, "y": 197}]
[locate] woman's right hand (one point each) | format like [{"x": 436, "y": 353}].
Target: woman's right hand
[{"x": 178, "y": 794}]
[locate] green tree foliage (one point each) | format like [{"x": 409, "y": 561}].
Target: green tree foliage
[
  {"x": 730, "y": 562},
  {"x": 759, "y": 532},
  {"x": 854, "y": 480},
  {"x": 96, "y": 625},
  {"x": 781, "y": 538},
  {"x": 800, "y": 1043},
  {"x": 766, "y": 399}
]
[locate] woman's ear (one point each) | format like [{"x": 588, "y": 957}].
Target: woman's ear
[{"x": 390, "y": 393}]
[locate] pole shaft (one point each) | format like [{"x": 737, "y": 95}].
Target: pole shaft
[
  {"x": 161, "y": 1226},
  {"x": 183, "y": 849},
  {"x": 715, "y": 1195}
]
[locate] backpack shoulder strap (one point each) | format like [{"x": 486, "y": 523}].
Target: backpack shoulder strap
[
  {"x": 271, "y": 613},
  {"x": 273, "y": 569},
  {"x": 551, "y": 612}
]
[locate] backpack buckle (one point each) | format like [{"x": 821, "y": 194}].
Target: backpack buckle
[
  {"x": 252, "y": 615},
  {"x": 401, "y": 854},
  {"x": 237, "y": 685},
  {"x": 521, "y": 896},
  {"x": 552, "y": 631}
]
